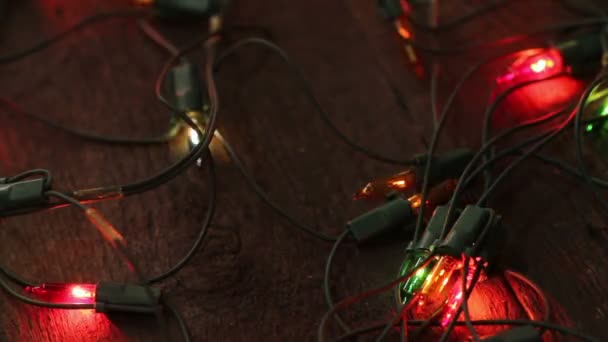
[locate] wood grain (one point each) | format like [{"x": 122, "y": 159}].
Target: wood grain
[{"x": 256, "y": 278}]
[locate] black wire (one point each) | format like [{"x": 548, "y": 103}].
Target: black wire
[
  {"x": 306, "y": 87},
  {"x": 67, "y": 199},
  {"x": 434, "y": 104},
  {"x": 577, "y": 124},
  {"x": 178, "y": 167},
  {"x": 394, "y": 321},
  {"x": 48, "y": 177},
  {"x": 18, "y": 55},
  {"x": 195, "y": 154},
  {"x": 212, "y": 196},
  {"x": 123, "y": 252},
  {"x": 172, "y": 171},
  {"x": 458, "y": 21},
  {"x": 485, "y": 134},
  {"x": 484, "y": 197},
  {"x": 427, "y": 168},
  {"x": 464, "y": 178},
  {"x": 508, "y": 40},
  {"x": 538, "y": 145},
  {"x": 107, "y": 139},
  {"x": 353, "y": 299},
  {"x": 257, "y": 189},
  {"x": 519, "y": 322},
  {"x": 517, "y": 149},
  {"x": 133, "y": 266},
  {"x": 157, "y": 37},
  {"x": 491, "y": 109},
  {"x": 162, "y": 41},
  {"x": 510, "y": 131},
  {"x": 15, "y": 278},
  {"x": 568, "y": 169},
  {"x": 100, "y": 138},
  {"x": 180, "y": 321},
  {"x": 326, "y": 287}
]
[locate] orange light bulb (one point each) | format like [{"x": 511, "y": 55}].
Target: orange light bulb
[{"x": 403, "y": 182}]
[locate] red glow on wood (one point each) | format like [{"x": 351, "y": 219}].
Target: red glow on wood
[
  {"x": 535, "y": 101},
  {"x": 32, "y": 324}
]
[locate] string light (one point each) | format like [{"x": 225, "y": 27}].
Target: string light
[
  {"x": 438, "y": 282},
  {"x": 456, "y": 293}
]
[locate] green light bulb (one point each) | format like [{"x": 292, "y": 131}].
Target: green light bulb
[
  {"x": 409, "y": 288},
  {"x": 590, "y": 127}
]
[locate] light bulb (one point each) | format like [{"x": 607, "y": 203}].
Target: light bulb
[
  {"x": 457, "y": 294},
  {"x": 442, "y": 276},
  {"x": 532, "y": 65},
  {"x": 443, "y": 287},
  {"x": 404, "y": 31},
  {"x": 64, "y": 293},
  {"x": 200, "y": 120},
  {"x": 410, "y": 288},
  {"x": 603, "y": 111},
  {"x": 403, "y": 182}
]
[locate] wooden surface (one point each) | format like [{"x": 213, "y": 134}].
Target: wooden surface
[{"x": 256, "y": 278}]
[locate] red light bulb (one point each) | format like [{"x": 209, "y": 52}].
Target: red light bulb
[
  {"x": 64, "y": 293},
  {"x": 457, "y": 294},
  {"x": 437, "y": 195},
  {"x": 531, "y": 65}
]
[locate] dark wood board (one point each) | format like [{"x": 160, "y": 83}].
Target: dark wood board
[{"x": 256, "y": 278}]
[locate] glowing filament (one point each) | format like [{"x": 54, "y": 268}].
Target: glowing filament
[
  {"x": 415, "y": 201},
  {"x": 80, "y": 292},
  {"x": 193, "y": 137},
  {"x": 401, "y": 184},
  {"x": 541, "y": 65},
  {"x": 403, "y": 32}
]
